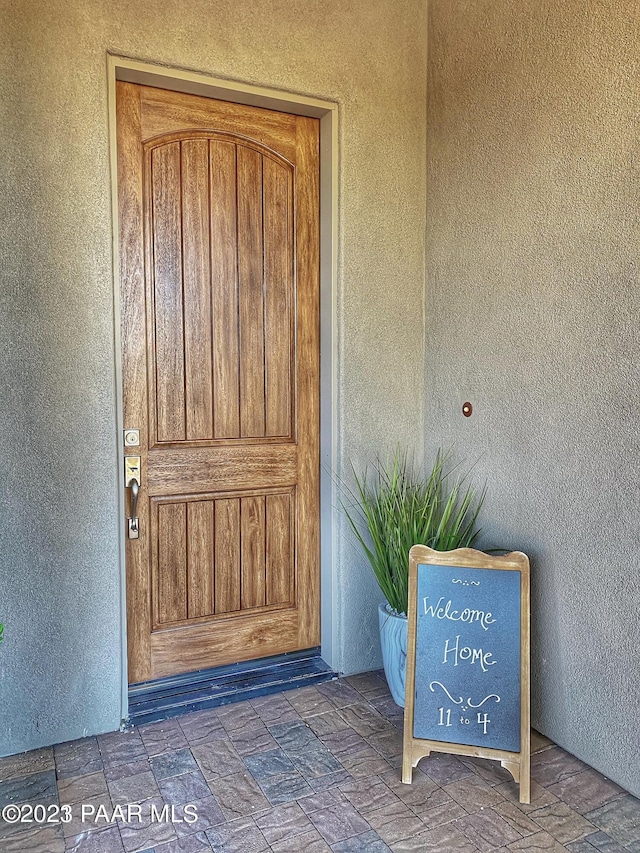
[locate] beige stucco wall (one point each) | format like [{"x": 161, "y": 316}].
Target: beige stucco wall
[
  {"x": 60, "y": 668},
  {"x": 534, "y": 316}
]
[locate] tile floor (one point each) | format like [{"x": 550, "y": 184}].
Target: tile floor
[{"x": 313, "y": 770}]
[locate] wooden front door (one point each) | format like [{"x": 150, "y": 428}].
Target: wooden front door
[{"x": 218, "y": 235}]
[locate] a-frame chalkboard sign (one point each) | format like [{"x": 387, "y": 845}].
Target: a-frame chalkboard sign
[{"x": 467, "y": 683}]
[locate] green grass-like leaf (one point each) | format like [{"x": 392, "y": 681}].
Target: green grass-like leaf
[{"x": 393, "y": 506}]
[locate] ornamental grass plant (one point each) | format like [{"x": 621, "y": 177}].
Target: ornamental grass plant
[{"x": 396, "y": 505}]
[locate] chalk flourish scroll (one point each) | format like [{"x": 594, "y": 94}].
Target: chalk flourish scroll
[{"x": 459, "y": 701}]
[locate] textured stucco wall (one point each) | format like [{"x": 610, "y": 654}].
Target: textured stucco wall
[
  {"x": 533, "y": 314},
  {"x": 60, "y": 668}
]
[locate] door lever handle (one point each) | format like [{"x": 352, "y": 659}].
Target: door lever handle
[
  {"x": 135, "y": 491},
  {"x": 134, "y": 528}
]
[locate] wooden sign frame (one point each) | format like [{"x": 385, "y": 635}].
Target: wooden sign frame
[{"x": 517, "y": 763}]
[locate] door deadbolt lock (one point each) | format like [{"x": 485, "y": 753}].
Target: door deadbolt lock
[{"x": 132, "y": 438}]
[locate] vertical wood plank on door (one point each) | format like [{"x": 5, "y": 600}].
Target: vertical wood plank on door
[
  {"x": 227, "y": 555},
  {"x": 278, "y": 241},
  {"x": 252, "y": 521},
  {"x": 224, "y": 290},
  {"x": 307, "y": 373},
  {"x": 167, "y": 271},
  {"x": 200, "y": 547},
  {"x": 197, "y": 289},
  {"x": 279, "y": 550},
  {"x": 134, "y": 359},
  {"x": 250, "y": 285},
  {"x": 172, "y": 562}
]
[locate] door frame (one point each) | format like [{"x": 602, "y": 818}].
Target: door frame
[{"x": 195, "y": 83}]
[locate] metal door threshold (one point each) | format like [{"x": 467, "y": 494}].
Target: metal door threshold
[{"x": 150, "y": 701}]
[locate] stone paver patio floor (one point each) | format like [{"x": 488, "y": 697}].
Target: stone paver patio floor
[{"x": 313, "y": 770}]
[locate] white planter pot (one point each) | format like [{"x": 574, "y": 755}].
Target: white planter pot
[{"x": 393, "y": 640}]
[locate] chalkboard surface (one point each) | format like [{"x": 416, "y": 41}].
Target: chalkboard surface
[{"x": 467, "y": 664}]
